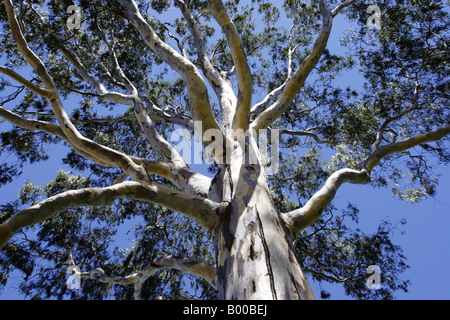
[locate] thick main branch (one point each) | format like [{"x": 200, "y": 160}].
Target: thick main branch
[
  {"x": 196, "y": 87},
  {"x": 202, "y": 210},
  {"x": 244, "y": 77},
  {"x": 217, "y": 79},
  {"x": 303, "y": 217}
]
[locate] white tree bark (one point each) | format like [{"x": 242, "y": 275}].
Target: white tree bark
[
  {"x": 244, "y": 78},
  {"x": 254, "y": 253},
  {"x": 202, "y": 210}
]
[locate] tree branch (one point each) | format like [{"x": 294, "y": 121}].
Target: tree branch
[
  {"x": 307, "y": 134},
  {"x": 341, "y": 6},
  {"x": 403, "y": 145},
  {"x": 47, "y": 127},
  {"x": 28, "y": 84},
  {"x": 175, "y": 171},
  {"x": 334, "y": 278},
  {"x": 241, "y": 117},
  {"x": 197, "y": 90},
  {"x": 158, "y": 114},
  {"x": 258, "y": 107},
  {"x": 297, "y": 80},
  {"x": 303, "y": 217},
  {"x": 22, "y": 45},
  {"x": 211, "y": 73},
  {"x": 187, "y": 265},
  {"x": 218, "y": 81},
  {"x": 76, "y": 139},
  {"x": 180, "y": 175},
  {"x": 385, "y": 124},
  {"x": 200, "y": 209},
  {"x": 170, "y": 117}
]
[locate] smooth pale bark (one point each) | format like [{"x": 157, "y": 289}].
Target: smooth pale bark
[
  {"x": 244, "y": 78},
  {"x": 202, "y": 210},
  {"x": 179, "y": 172},
  {"x": 254, "y": 254},
  {"x": 303, "y": 217},
  {"x": 218, "y": 80}
]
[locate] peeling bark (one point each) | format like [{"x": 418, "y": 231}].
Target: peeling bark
[{"x": 254, "y": 253}]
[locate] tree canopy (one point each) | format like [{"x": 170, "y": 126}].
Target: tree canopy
[{"x": 111, "y": 91}]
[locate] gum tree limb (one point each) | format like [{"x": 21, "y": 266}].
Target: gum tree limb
[
  {"x": 76, "y": 139},
  {"x": 244, "y": 77},
  {"x": 303, "y": 217},
  {"x": 341, "y": 6},
  {"x": 188, "y": 265},
  {"x": 28, "y": 84},
  {"x": 196, "y": 87},
  {"x": 297, "y": 80},
  {"x": 305, "y": 133},
  {"x": 218, "y": 80},
  {"x": 202, "y": 210}
]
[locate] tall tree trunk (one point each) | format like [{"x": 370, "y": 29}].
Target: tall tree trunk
[{"x": 254, "y": 251}]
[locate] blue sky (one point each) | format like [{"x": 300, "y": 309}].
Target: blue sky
[{"x": 425, "y": 242}]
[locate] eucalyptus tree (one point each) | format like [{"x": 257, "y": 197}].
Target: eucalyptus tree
[{"x": 129, "y": 88}]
